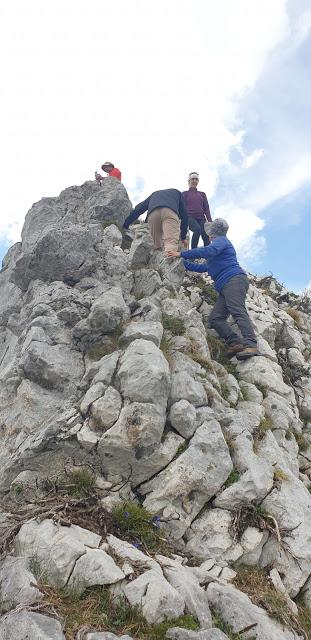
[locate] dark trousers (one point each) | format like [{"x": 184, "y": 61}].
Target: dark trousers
[
  {"x": 197, "y": 228},
  {"x": 231, "y": 301}
]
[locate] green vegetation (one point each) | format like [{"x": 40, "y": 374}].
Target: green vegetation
[
  {"x": 97, "y": 609},
  {"x": 107, "y": 345},
  {"x": 233, "y": 477},
  {"x": 218, "y": 352},
  {"x": 175, "y": 325},
  {"x": 262, "y": 388},
  {"x": 182, "y": 447},
  {"x": 225, "y": 391},
  {"x": 194, "y": 353},
  {"x": 18, "y": 489},
  {"x": 208, "y": 292},
  {"x": 259, "y": 433},
  {"x": 140, "y": 527},
  {"x": 80, "y": 483},
  {"x": 166, "y": 350},
  {"x": 279, "y": 475},
  {"x": 302, "y": 442},
  {"x": 260, "y": 590}
]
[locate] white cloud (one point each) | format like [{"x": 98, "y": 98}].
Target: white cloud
[
  {"x": 244, "y": 226},
  {"x": 251, "y": 159},
  {"x": 154, "y": 87}
]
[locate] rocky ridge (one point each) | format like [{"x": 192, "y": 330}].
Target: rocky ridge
[{"x": 107, "y": 364}]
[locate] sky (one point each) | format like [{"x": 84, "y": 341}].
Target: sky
[{"x": 161, "y": 89}]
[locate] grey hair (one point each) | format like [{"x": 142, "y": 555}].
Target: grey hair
[{"x": 218, "y": 227}]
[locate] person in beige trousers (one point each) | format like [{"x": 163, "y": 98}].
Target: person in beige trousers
[{"x": 167, "y": 218}]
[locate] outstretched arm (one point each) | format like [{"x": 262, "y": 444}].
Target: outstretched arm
[{"x": 139, "y": 209}]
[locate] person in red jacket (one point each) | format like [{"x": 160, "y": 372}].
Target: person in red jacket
[
  {"x": 198, "y": 210},
  {"x": 111, "y": 170}
]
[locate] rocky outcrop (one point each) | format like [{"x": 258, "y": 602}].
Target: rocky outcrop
[{"x": 107, "y": 363}]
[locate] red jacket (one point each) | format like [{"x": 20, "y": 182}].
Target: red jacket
[{"x": 115, "y": 173}]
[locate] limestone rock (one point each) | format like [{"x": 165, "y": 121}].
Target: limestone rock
[
  {"x": 23, "y": 625},
  {"x": 142, "y": 330},
  {"x": 94, "y": 567},
  {"x": 52, "y": 366},
  {"x": 126, "y": 551},
  {"x": 180, "y": 491},
  {"x": 184, "y": 387},
  {"x": 54, "y": 549},
  {"x": 183, "y": 418},
  {"x": 106, "y": 410},
  {"x": 16, "y": 583},
  {"x": 177, "y": 633},
  {"x": 151, "y": 382},
  {"x": 92, "y": 394},
  {"x": 113, "y": 234},
  {"x": 237, "y": 610},
  {"x": 185, "y": 582},
  {"x": 209, "y": 536},
  {"x": 141, "y": 247},
  {"x": 155, "y": 595},
  {"x": 86, "y": 437},
  {"x": 265, "y": 373}
]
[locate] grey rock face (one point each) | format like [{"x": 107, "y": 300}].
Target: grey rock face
[
  {"x": 52, "y": 367},
  {"x": 24, "y": 625},
  {"x": 151, "y": 382},
  {"x": 183, "y": 418},
  {"x": 142, "y": 330},
  {"x": 106, "y": 410},
  {"x": 180, "y": 491},
  {"x": 158, "y": 599},
  {"x": 184, "y": 387},
  {"x": 83, "y": 379},
  {"x": 109, "y": 202},
  {"x": 237, "y": 610},
  {"x": 128, "y": 447},
  {"x": 141, "y": 248},
  {"x": 16, "y": 582},
  {"x": 208, "y": 634}
]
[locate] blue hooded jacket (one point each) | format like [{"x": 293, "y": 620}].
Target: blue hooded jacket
[{"x": 221, "y": 262}]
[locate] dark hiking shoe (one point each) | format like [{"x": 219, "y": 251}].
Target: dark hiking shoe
[
  {"x": 248, "y": 352},
  {"x": 233, "y": 349}
]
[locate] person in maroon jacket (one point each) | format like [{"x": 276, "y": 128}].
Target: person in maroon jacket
[{"x": 198, "y": 210}]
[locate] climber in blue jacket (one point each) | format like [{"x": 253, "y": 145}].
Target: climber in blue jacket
[{"x": 231, "y": 283}]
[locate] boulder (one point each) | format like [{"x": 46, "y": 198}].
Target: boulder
[
  {"x": 23, "y": 625},
  {"x": 157, "y": 598},
  {"x": 151, "y": 380},
  {"x": 106, "y": 410},
  {"x": 17, "y": 583},
  {"x": 181, "y": 490},
  {"x": 237, "y": 610}
]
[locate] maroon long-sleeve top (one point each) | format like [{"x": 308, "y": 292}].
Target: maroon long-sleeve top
[{"x": 197, "y": 204}]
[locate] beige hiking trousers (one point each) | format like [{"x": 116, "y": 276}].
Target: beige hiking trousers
[{"x": 164, "y": 227}]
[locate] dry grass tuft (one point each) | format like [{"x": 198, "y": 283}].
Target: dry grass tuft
[
  {"x": 294, "y": 313},
  {"x": 256, "y": 584},
  {"x": 97, "y": 610}
]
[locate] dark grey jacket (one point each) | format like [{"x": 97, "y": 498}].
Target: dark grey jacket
[{"x": 170, "y": 198}]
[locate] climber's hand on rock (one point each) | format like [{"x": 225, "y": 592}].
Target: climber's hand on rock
[{"x": 173, "y": 254}]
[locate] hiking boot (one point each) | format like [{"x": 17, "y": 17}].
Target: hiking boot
[
  {"x": 248, "y": 352},
  {"x": 234, "y": 349}
]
